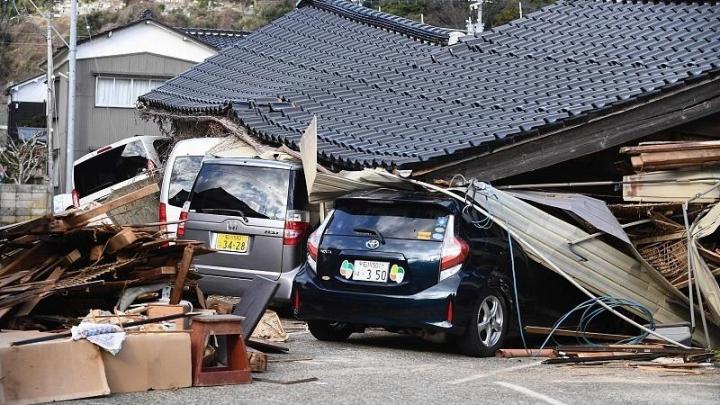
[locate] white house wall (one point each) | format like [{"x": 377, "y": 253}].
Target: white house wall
[
  {"x": 145, "y": 37},
  {"x": 30, "y": 91}
]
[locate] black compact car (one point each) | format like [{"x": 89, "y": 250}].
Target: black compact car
[{"x": 409, "y": 262}]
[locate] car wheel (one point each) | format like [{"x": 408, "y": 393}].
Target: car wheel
[
  {"x": 488, "y": 326},
  {"x": 330, "y": 331}
]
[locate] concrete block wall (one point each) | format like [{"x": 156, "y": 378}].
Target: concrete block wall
[{"x": 20, "y": 202}]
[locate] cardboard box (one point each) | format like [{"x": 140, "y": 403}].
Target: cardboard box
[
  {"x": 148, "y": 361},
  {"x": 50, "y": 371},
  {"x": 158, "y": 310}
]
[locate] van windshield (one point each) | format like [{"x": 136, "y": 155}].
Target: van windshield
[
  {"x": 110, "y": 167},
  {"x": 419, "y": 221},
  {"x": 249, "y": 191},
  {"x": 183, "y": 174}
]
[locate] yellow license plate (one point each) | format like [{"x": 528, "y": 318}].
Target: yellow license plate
[{"x": 232, "y": 243}]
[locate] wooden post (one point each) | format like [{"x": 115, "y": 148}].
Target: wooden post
[{"x": 182, "y": 271}]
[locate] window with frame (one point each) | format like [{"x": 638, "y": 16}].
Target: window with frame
[{"x": 122, "y": 91}]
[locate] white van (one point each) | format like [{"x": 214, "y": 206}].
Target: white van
[
  {"x": 182, "y": 167},
  {"x": 117, "y": 165}
]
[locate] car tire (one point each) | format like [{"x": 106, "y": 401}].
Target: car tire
[
  {"x": 488, "y": 326},
  {"x": 330, "y": 331}
]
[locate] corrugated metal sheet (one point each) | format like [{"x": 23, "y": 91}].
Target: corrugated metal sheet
[{"x": 707, "y": 225}]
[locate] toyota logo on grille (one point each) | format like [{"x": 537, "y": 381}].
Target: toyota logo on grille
[{"x": 372, "y": 244}]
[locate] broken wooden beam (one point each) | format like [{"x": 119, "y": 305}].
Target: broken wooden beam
[
  {"x": 183, "y": 268},
  {"x": 541, "y": 330},
  {"x": 82, "y": 217}
]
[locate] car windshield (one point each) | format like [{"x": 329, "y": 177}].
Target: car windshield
[
  {"x": 183, "y": 174},
  {"x": 249, "y": 191},
  {"x": 405, "y": 221},
  {"x": 110, "y": 167}
]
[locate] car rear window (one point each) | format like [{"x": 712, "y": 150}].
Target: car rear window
[
  {"x": 250, "y": 191},
  {"x": 110, "y": 167},
  {"x": 184, "y": 171},
  {"x": 421, "y": 221}
]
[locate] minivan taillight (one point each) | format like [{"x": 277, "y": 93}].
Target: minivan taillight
[
  {"x": 76, "y": 198},
  {"x": 162, "y": 216},
  {"x": 454, "y": 253},
  {"x": 183, "y": 219},
  {"x": 150, "y": 165},
  {"x": 296, "y": 226}
]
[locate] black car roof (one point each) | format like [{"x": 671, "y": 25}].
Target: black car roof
[{"x": 388, "y": 195}]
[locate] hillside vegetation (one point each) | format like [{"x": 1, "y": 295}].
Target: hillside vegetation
[{"x": 22, "y": 27}]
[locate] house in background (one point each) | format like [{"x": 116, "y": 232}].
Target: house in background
[
  {"x": 116, "y": 66},
  {"x": 26, "y": 108}
]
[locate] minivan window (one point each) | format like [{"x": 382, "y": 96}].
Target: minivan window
[
  {"x": 110, "y": 167},
  {"x": 183, "y": 175},
  {"x": 407, "y": 221},
  {"x": 249, "y": 191}
]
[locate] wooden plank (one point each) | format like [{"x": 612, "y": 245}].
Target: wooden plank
[
  {"x": 85, "y": 216},
  {"x": 541, "y": 330},
  {"x": 96, "y": 253},
  {"x": 659, "y": 160},
  {"x": 7, "y": 280},
  {"x": 121, "y": 240},
  {"x": 632, "y": 356},
  {"x": 671, "y": 186},
  {"x": 22, "y": 259},
  {"x": 71, "y": 258},
  {"x": 684, "y": 282},
  {"x": 157, "y": 272},
  {"x": 661, "y": 238},
  {"x": 651, "y": 147},
  {"x": 183, "y": 268},
  {"x": 257, "y": 359},
  {"x": 27, "y": 307}
]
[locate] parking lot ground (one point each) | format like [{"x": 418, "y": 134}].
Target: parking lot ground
[{"x": 380, "y": 367}]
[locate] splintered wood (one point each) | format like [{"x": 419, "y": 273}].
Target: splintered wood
[
  {"x": 673, "y": 171},
  {"x": 59, "y": 267}
]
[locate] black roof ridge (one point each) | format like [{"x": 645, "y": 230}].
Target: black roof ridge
[
  {"x": 414, "y": 29},
  {"x": 220, "y": 31}
]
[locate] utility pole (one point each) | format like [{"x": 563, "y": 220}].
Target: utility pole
[
  {"x": 50, "y": 113},
  {"x": 70, "y": 139},
  {"x": 477, "y": 27}
]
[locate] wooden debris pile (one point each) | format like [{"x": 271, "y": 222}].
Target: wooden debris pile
[
  {"x": 56, "y": 268},
  {"x": 651, "y": 357},
  {"x": 672, "y": 171}
]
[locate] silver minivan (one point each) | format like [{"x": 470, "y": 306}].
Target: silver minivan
[{"x": 256, "y": 214}]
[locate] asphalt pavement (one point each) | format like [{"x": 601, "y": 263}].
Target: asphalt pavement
[{"x": 380, "y": 367}]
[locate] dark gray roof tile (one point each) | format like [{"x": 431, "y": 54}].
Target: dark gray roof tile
[{"x": 388, "y": 92}]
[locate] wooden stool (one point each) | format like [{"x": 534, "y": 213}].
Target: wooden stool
[{"x": 238, "y": 369}]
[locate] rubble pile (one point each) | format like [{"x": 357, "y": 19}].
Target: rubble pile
[
  {"x": 56, "y": 268},
  {"x": 675, "y": 184}
]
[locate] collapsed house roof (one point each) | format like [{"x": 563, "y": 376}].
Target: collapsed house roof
[{"x": 390, "y": 92}]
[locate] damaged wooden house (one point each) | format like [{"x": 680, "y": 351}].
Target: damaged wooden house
[{"x": 597, "y": 98}]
